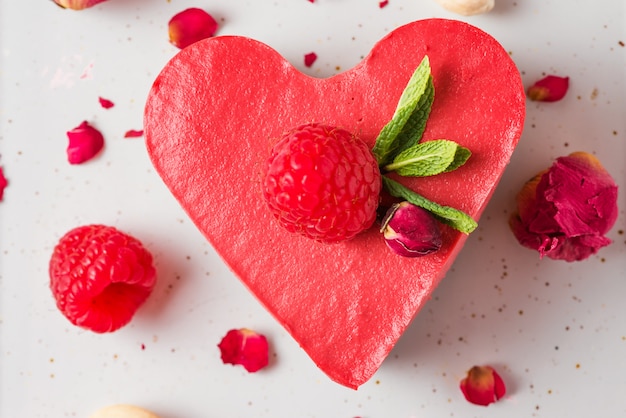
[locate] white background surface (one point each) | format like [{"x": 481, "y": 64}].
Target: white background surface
[{"x": 555, "y": 331}]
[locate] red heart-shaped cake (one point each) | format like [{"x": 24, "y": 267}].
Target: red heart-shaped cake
[{"x": 220, "y": 104}]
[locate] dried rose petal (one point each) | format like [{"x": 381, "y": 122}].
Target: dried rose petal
[
  {"x": 565, "y": 211},
  {"x": 77, "y": 4},
  {"x": 132, "y": 133},
  {"x": 3, "y": 183},
  {"x": 483, "y": 386},
  {"x": 245, "y": 347},
  {"x": 85, "y": 142},
  {"x": 549, "y": 89},
  {"x": 383, "y": 3},
  {"x": 105, "y": 103},
  {"x": 310, "y": 58},
  {"x": 189, "y": 26}
]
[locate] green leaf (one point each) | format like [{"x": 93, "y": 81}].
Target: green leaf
[
  {"x": 425, "y": 159},
  {"x": 409, "y": 120},
  {"x": 460, "y": 157},
  {"x": 453, "y": 217}
]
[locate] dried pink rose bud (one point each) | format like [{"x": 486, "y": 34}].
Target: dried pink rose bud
[
  {"x": 410, "y": 231},
  {"x": 245, "y": 347},
  {"x": 189, "y": 26},
  {"x": 565, "y": 211},
  {"x": 483, "y": 386},
  {"x": 85, "y": 142},
  {"x": 549, "y": 89},
  {"x": 77, "y": 4}
]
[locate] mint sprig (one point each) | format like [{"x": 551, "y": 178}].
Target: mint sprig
[
  {"x": 450, "y": 216},
  {"x": 429, "y": 158}
]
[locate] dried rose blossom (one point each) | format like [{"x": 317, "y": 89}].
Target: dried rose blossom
[
  {"x": 189, "y": 26},
  {"x": 482, "y": 386},
  {"x": 383, "y": 3},
  {"x": 3, "y": 183},
  {"x": 105, "y": 103},
  {"x": 132, "y": 133},
  {"x": 85, "y": 142},
  {"x": 77, "y": 4},
  {"x": 549, "y": 89},
  {"x": 565, "y": 211},
  {"x": 245, "y": 347},
  {"x": 310, "y": 58},
  {"x": 410, "y": 231}
]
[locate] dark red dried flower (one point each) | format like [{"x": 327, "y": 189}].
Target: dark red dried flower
[
  {"x": 549, "y": 89},
  {"x": 189, "y": 26},
  {"x": 105, "y": 103},
  {"x": 310, "y": 58},
  {"x": 85, "y": 142},
  {"x": 132, "y": 133},
  {"x": 483, "y": 386},
  {"x": 245, "y": 347}
]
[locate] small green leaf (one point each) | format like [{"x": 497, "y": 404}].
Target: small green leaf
[
  {"x": 425, "y": 159},
  {"x": 460, "y": 157},
  {"x": 409, "y": 119},
  {"x": 453, "y": 217}
]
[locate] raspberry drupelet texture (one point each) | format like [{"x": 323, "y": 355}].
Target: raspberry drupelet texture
[
  {"x": 322, "y": 182},
  {"x": 100, "y": 276}
]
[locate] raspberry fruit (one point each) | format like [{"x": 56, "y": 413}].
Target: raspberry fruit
[
  {"x": 322, "y": 182},
  {"x": 100, "y": 276}
]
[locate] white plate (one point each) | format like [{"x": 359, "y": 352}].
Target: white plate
[{"x": 555, "y": 331}]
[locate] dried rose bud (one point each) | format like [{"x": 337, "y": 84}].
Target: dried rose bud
[
  {"x": 189, "y": 26},
  {"x": 549, "y": 89},
  {"x": 77, "y": 4},
  {"x": 410, "y": 231},
  {"x": 245, "y": 347},
  {"x": 85, "y": 142},
  {"x": 483, "y": 386},
  {"x": 565, "y": 211}
]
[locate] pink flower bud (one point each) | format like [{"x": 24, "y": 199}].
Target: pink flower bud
[
  {"x": 410, "y": 231},
  {"x": 549, "y": 89},
  {"x": 565, "y": 211},
  {"x": 85, "y": 142},
  {"x": 77, "y": 4},
  {"x": 245, "y": 347},
  {"x": 189, "y": 26},
  {"x": 483, "y": 386}
]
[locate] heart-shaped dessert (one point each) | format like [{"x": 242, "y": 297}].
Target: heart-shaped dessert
[{"x": 219, "y": 105}]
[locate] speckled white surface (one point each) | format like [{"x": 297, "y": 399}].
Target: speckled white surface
[{"x": 555, "y": 331}]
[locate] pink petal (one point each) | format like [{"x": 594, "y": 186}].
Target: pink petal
[
  {"x": 310, "y": 58},
  {"x": 549, "y": 89},
  {"x": 383, "y": 3},
  {"x": 3, "y": 183},
  {"x": 189, "y": 26},
  {"x": 245, "y": 347},
  {"x": 483, "y": 386},
  {"x": 105, "y": 103},
  {"x": 85, "y": 142},
  {"x": 132, "y": 133},
  {"x": 77, "y": 4}
]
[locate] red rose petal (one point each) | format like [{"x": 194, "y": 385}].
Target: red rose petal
[
  {"x": 383, "y": 3},
  {"x": 189, "y": 26},
  {"x": 3, "y": 183},
  {"x": 245, "y": 347},
  {"x": 310, "y": 58},
  {"x": 549, "y": 89},
  {"x": 105, "y": 103},
  {"x": 483, "y": 386},
  {"x": 132, "y": 133},
  {"x": 85, "y": 142}
]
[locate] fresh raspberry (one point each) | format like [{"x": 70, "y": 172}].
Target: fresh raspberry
[
  {"x": 100, "y": 276},
  {"x": 322, "y": 182}
]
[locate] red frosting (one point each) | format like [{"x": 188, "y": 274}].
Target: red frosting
[{"x": 213, "y": 114}]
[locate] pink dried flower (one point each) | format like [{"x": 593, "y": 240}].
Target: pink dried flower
[
  {"x": 245, "y": 347},
  {"x": 410, "y": 231},
  {"x": 3, "y": 183},
  {"x": 105, "y": 103},
  {"x": 85, "y": 142},
  {"x": 565, "y": 211},
  {"x": 483, "y": 386},
  {"x": 310, "y": 58},
  {"x": 189, "y": 26},
  {"x": 132, "y": 133},
  {"x": 549, "y": 89},
  {"x": 77, "y": 4}
]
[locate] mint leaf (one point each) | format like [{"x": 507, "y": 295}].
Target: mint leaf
[
  {"x": 460, "y": 157},
  {"x": 409, "y": 120},
  {"x": 425, "y": 159},
  {"x": 455, "y": 218}
]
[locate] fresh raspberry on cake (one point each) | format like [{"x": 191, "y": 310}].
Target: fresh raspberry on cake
[
  {"x": 322, "y": 182},
  {"x": 100, "y": 276}
]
